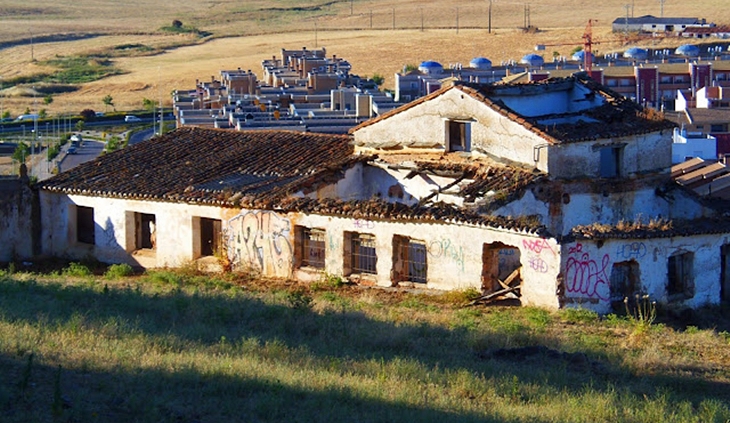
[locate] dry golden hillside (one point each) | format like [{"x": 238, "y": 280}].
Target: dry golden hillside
[{"x": 379, "y": 36}]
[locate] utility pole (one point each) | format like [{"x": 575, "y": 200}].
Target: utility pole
[
  {"x": 627, "y": 19},
  {"x": 457, "y": 19},
  {"x": 421, "y": 18},
  {"x": 661, "y": 8},
  {"x": 32, "y": 56},
  {"x": 394, "y": 18},
  {"x": 371, "y": 18},
  {"x": 490, "y": 17}
]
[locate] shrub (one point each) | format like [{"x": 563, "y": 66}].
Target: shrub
[
  {"x": 88, "y": 114},
  {"x": 118, "y": 271},
  {"x": 77, "y": 270}
]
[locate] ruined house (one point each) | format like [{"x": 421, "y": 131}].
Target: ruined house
[{"x": 558, "y": 191}]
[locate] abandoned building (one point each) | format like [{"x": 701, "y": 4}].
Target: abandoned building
[{"x": 558, "y": 191}]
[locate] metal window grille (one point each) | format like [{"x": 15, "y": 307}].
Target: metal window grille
[
  {"x": 415, "y": 261},
  {"x": 364, "y": 255},
  {"x": 314, "y": 247}
]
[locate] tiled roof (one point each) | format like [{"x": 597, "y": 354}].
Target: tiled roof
[
  {"x": 211, "y": 166},
  {"x": 618, "y": 117},
  {"x": 435, "y": 213}
]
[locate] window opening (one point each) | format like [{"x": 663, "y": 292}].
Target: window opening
[
  {"x": 85, "y": 226},
  {"x": 145, "y": 231},
  {"x": 680, "y": 284},
  {"x": 624, "y": 282},
  {"x": 311, "y": 243},
  {"x": 410, "y": 260},
  {"x": 210, "y": 236},
  {"x": 363, "y": 256}
]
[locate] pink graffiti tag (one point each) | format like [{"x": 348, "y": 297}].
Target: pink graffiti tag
[
  {"x": 537, "y": 246},
  {"x": 584, "y": 276}
]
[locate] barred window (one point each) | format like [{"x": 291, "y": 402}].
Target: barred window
[
  {"x": 409, "y": 261},
  {"x": 313, "y": 247},
  {"x": 364, "y": 256}
]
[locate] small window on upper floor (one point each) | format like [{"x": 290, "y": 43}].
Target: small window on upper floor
[
  {"x": 458, "y": 135},
  {"x": 611, "y": 162}
]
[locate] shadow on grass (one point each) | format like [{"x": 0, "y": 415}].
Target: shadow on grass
[{"x": 334, "y": 340}]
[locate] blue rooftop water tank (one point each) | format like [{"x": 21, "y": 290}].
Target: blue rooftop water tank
[
  {"x": 430, "y": 67},
  {"x": 578, "y": 56},
  {"x": 636, "y": 53},
  {"x": 533, "y": 60},
  {"x": 687, "y": 50},
  {"x": 480, "y": 63}
]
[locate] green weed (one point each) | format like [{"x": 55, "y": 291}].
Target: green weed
[
  {"x": 76, "y": 270},
  {"x": 578, "y": 315},
  {"x": 116, "y": 271}
]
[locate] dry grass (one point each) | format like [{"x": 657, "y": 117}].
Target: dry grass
[
  {"x": 244, "y": 34},
  {"x": 179, "y": 346}
]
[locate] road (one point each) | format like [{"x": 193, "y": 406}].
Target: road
[{"x": 88, "y": 150}]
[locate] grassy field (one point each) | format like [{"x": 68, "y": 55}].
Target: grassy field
[
  {"x": 182, "y": 347},
  {"x": 145, "y": 59}
]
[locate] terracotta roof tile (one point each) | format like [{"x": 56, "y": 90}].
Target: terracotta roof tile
[
  {"x": 211, "y": 166},
  {"x": 435, "y": 213}
]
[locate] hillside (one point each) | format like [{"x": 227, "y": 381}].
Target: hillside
[{"x": 143, "y": 56}]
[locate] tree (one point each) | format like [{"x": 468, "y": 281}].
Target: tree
[
  {"x": 6, "y": 114},
  {"x": 48, "y": 99},
  {"x": 108, "y": 101},
  {"x": 88, "y": 114},
  {"x": 42, "y": 113},
  {"x": 177, "y": 24},
  {"x": 22, "y": 151},
  {"x": 148, "y": 104},
  {"x": 410, "y": 67},
  {"x": 27, "y": 111},
  {"x": 80, "y": 125},
  {"x": 378, "y": 79}
]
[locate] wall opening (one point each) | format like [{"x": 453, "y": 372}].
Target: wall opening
[
  {"x": 680, "y": 276},
  {"x": 409, "y": 260},
  {"x": 611, "y": 162},
  {"x": 458, "y": 135},
  {"x": 360, "y": 254},
  {"x": 725, "y": 272},
  {"x": 500, "y": 266},
  {"x": 145, "y": 231},
  {"x": 625, "y": 282},
  {"x": 85, "y": 226},
  {"x": 310, "y": 247},
  {"x": 210, "y": 237}
]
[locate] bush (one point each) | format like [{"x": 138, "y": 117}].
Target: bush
[
  {"x": 77, "y": 270},
  {"x": 118, "y": 271},
  {"x": 88, "y": 114}
]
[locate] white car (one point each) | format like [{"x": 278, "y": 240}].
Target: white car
[{"x": 131, "y": 118}]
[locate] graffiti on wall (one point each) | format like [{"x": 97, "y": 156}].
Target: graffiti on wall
[
  {"x": 585, "y": 276},
  {"x": 634, "y": 250},
  {"x": 537, "y": 246},
  {"x": 446, "y": 249},
  {"x": 259, "y": 240}
]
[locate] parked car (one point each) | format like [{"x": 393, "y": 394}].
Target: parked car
[
  {"x": 71, "y": 150},
  {"x": 32, "y": 116},
  {"x": 132, "y": 118},
  {"x": 99, "y": 114}
]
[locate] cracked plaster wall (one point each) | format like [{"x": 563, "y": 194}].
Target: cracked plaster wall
[{"x": 588, "y": 264}]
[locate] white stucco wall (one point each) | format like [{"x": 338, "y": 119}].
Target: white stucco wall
[
  {"x": 423, "y": 126},
  {"x": 113, "y": 235},
  {"x": 588, "y": 265},
  {"x": 266, "y": 242},
  {"x": 641, "y": 154}
]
